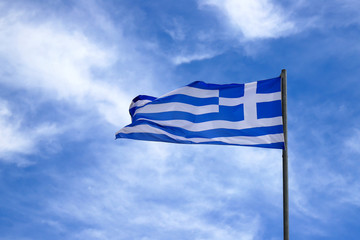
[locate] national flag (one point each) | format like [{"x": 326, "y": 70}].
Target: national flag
[{"x": 247, "y": 114}]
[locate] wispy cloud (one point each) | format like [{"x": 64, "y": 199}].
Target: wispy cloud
[
  {"x": 352, "y": 143},
  {"x": 177, "y": 190},
  {"x": 67, "y": 65},
  {"x": 183, "y": 59},
  {"x": 254, "y": 19},
  {"x": 59, "y": 63},
  {"x": 17, "y": 138},
  {"x": 322, "y": 179}
]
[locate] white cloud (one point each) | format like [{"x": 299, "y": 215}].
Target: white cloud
[
  {"x": 181, "y": 59},
  {"x": 317, "y": 184},
  {"x": 11, "y": 140},
  {"x": 255, "y": 19},
  {"x": 175, "y": 29},
  {"x": 168, "y": 219},
  {"x": 60, "y": 64},
  {"x": 352, "y": 143},
  {"x": 170, "y": 189},
  {"x": 16, "y": 138}
]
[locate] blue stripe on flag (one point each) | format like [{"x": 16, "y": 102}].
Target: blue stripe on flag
[
  {"x": 233, "y": 91},
  {"x": 184, "y": 99},
  {"x": 231, "y": 113},
  {"x": 269, "y": 109},
  {"x": 175, "y": 115},
  {"x": 165, "y": 138},
  {"x": 211, "y": 86},
  {"x": 187, "y": 99},
  {"x": 143, "y": 97},
  {"x": 269, "y": 85}
]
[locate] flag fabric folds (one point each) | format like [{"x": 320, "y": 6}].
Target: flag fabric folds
[{"x": 201, "y": 113}]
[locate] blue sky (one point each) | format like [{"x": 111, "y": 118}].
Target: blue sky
[{"x": 69, "y": 70}]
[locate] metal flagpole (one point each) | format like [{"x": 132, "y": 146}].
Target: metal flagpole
[{"x": 285, "y": 157}]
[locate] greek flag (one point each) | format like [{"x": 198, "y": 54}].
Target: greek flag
[{"x": 201, "y": 113}]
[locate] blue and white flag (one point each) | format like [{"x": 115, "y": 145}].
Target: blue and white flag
[{"x": 201, "y": 113}]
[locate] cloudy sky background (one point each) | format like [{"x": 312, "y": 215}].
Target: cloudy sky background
[{"x": 69, "y": 70}]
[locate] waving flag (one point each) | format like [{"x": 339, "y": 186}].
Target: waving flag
[{"x": 201, "y": 113}]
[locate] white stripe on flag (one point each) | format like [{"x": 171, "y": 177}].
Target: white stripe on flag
[
  {"x": 194, "y": 92},
  {"x": 245, "y": 140}
]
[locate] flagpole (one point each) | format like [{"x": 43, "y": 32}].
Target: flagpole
[{"x": 285, "y": 157}]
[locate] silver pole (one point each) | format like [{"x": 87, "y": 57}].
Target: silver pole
[{"x": 285, "y": 157}]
